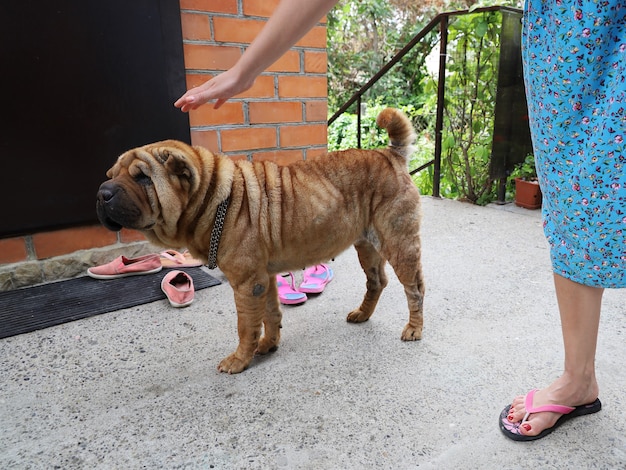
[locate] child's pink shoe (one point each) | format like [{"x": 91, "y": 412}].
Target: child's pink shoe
[
  {"x": 123, "y": 266},
  {"x": 315, "y": 279},
  {"x": 178, "y": 286},
  {"x": 287, "y": 293}
]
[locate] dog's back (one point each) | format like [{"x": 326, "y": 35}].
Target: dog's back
[{"x": 318, "y": 208}]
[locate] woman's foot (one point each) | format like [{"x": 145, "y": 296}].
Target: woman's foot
[{"x": 561, "y": 392}]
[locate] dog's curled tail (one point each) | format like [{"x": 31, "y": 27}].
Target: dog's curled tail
[{"x": 400, "y": 130}]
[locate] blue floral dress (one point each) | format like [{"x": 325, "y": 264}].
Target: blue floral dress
[{"x": 574, "y": 54}]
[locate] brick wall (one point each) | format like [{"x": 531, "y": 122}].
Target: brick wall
[
  {"x": 286, "y": 105},
  {"x": 281, "y": 118}
]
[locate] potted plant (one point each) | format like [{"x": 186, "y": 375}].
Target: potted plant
[{"x": 527, "y": 190}]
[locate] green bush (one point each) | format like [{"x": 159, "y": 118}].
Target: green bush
[
  {"x": 471, "y": 81},
  {"x": 342, "y": 134}
]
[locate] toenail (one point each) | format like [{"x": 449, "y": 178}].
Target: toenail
[
  {"x": 526, "y": 427},
  {"x": 510, "y": 417}
]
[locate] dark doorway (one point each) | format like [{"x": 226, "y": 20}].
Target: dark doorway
[
  {"x": 82, "y": 81},
  {"x": 511, "y": 133}
]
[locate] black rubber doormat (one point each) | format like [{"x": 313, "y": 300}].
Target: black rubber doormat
[{"x": 35, "y": 308}]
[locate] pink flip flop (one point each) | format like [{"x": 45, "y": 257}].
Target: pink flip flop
[
  {"x": 512, "y": 431},
  {"x": 315, "y": 279},
  {"x": 287, "y": 293},
  {"x": 174, "y": 259}
]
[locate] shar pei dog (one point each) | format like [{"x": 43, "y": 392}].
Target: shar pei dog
[{"x": 258, "y": 219}]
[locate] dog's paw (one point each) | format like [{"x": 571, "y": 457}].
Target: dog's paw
[
  {"x": 357, "y": 316},
  {"x": 410, "y": 333},
  {"x": 233, "y": 365},
  {"x": 266, "y": 345}
]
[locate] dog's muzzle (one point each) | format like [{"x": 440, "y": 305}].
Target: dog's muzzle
[{"x": 114, "y": 209}]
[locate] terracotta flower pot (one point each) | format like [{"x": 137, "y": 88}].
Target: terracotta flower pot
[{"x": 527, "y": 194}]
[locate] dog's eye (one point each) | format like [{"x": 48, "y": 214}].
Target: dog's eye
[{"x": 142, "y": 179}]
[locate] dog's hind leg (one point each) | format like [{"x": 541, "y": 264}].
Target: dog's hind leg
[
  {"x": 271, "y": 321},
  {"x": 406, "y": 263},
  {"x": 374, "y": 266}
]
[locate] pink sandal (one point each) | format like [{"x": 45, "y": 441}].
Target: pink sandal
[
  {"x": 315, "y": 279},
  {"x": 174, "y": 259},
  {"x": 512, "y": 431},
  {"x": 287, "y": 293}
]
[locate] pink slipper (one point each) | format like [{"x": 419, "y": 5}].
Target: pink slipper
[
  {"x": 123, "y": 266},
  {"x": 287, "y": 293},
  {"x": 315, "y": 279},
  {"x": 174, "y": 259},
  {"x": 512, "y": 430},
  {"x": 178, "y": 287}
]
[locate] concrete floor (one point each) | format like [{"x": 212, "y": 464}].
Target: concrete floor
[{"x": 138, "y": 388}]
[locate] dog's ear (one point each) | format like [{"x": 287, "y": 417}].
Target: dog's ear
[{"x": 176, "y": 163}]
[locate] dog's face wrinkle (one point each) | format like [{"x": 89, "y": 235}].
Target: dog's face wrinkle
[
  {"x": 143, "y": 179},
  {"x": 192, "y": 198},
  {"x": 202, "y": 195}
]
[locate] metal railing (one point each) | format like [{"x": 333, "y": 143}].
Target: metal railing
[{"x": 441, "y": 20}]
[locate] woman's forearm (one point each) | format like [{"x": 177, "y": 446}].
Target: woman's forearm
[{"x": 291, "y": 20}]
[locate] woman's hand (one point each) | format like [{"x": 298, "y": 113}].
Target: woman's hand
[
  {"x": 291, "y": 20},
  {"x": 220, "y": 88}
]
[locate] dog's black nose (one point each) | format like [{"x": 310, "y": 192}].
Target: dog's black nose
[{"x": 106, "y": 192}]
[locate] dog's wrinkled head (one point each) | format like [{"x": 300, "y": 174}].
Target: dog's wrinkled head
[{"x": 150, "y": 186}]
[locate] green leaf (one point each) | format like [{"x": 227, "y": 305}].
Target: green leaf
[
  {"x": 448, "y": 142},
  {"x": 481, "y": 28},
  {"x": 481, "y": 152}
]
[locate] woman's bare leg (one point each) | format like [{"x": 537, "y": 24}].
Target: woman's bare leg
[{"x": 579, "y": 306}]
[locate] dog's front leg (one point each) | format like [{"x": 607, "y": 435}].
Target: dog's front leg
[
  {"x": 271, "y": 321},
  {"x": 250, "y": 301}
]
